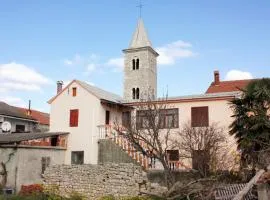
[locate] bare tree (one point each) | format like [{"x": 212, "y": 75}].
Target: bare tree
[
  {"x": 149, "y": 131},
  {"x": 207, "y": 147}
]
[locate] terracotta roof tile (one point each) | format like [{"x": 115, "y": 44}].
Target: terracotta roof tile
[
  {"x": 41, "y": 117},
  {"x": 6, "y": 109},
  {"x": 228, "y": 86}
]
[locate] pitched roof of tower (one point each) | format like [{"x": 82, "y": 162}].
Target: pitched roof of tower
[{"x": 140, "y": 37}]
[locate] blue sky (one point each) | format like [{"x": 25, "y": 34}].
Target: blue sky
[{"x": 45, "y": 41}]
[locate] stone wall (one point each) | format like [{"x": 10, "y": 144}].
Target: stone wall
[{"x": 95, "y": 181}]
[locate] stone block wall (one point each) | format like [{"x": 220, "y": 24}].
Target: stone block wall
[{"x": 95, "y": 181}]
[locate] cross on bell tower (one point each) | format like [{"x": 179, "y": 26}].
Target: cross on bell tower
[{"x": 140, "y": 6}]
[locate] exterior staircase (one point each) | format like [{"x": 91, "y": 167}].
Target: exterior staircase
[{"x": 107, "y": 132}]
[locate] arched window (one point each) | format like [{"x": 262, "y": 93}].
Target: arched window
[
  {"x": 137, "y": 63},
  {"x": 133, "y": 93},
  {"x": 137, "y": 93},
  {"x": 133, "y": 64}
]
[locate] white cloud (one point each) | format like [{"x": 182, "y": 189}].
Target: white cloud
[
  {"x": 15, "y": 101},
  {"x": 83, "y": 60},
  {"x": 89, "y": 62},
  {"x": 66, "y": 82},
  {"x": 15, "y": 76},
  {"x": 90, "y": 83},
  {"x": 169, "y": 53},
  {"x": 91, "y": 67},
  {"x": 238, "y": 75},
  {"x": 116, "y": 63},
  {"x": 68, "y": 62},
  {"x": 76, "y": 60},
  {"x": 19, "y": 86}
]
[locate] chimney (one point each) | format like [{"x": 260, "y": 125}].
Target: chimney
[
  {"x": 29, "y": 108},
  {"x": 59, "y": 86},
  {"x": 216, "y": 77}
]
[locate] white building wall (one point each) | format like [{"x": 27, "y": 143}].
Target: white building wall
[
  {"x": 91, "y": 115},
  {"x": 219, "y": 112}
]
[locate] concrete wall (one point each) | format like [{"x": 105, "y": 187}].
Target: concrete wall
[
  {"x": 25, "y": 164},
  {"x": 108, "y": 151},
  {"x": 91, "y": 115},
  {"x": 96, "y": 181}
]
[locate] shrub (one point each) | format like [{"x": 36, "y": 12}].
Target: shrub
[
  {"x": 76, "y": 196},
  {"x": 110, "y": 197}
]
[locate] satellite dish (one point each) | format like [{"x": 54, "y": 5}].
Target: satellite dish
[{"x": 6, "y": 126}]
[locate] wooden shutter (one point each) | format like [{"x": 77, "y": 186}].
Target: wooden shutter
[
  {"x": 74, "y": 92},
  {"x": 74, "y": 118},
  {"x": 199, "y": 116}
]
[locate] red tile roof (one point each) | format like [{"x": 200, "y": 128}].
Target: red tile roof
[
  {"x": 41, "y": 117},
  {"x": 228, "y": 86}
]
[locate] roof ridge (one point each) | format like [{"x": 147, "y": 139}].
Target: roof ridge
[
  {"x": 98, "y": 88},
  {"x": 32, "y": 110}
]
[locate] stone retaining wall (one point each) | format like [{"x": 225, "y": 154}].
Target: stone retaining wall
[{"x": 95, "y": 181}]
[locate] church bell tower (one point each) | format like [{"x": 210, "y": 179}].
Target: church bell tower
[{"x": 140, "y": 69}]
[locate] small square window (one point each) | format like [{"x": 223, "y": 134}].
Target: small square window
[
  {"x": 74, "y": 92},
  {"x": 77, "y": 157}
]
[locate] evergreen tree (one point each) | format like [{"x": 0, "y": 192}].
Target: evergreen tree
[{"x": 251, "y": 126}]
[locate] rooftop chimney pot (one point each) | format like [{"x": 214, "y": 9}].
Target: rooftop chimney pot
[
  {"x": 216, "y": 77},
  {"x": 59, "y": 86},
  {"x": 29, "y": 112}
]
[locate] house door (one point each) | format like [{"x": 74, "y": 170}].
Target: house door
[{"x": 107, "y": 117}]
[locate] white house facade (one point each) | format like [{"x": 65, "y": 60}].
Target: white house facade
[{"x": 84, "y": 110}]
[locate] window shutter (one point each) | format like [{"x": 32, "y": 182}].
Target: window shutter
[
  {"x": 74, "y": 118},
  {"x": 74, "y": 92},
  {"x": 199, "y": 116},
  {"x": 71, "y": 118}
]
